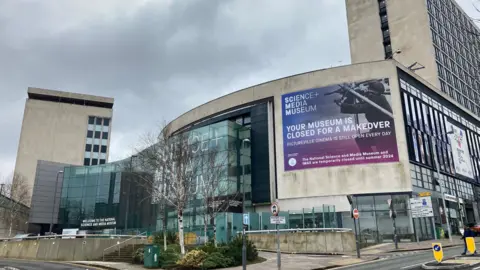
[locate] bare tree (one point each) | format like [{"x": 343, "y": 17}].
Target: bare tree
[
  {"x": 13, "y": 202},
  {"x": 174, "y": 164},
  {"x": 215, "y": 188}
]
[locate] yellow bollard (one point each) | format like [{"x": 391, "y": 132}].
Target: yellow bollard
[
  {"x": 437, "y": 251},
  {"x": 470, "y": 244}
]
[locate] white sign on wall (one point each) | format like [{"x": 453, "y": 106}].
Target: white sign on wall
[
  {"x": 461, "y": 155},
  {"x": 421, "y": 207}
]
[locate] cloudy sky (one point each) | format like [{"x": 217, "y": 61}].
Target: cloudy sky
[{"x": 157, "y": 58}]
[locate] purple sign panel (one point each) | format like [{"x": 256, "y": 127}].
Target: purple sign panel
[{"x": 337, "y": 125}]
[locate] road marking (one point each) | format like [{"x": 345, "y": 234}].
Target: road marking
[{"x": 414, "y": 265}]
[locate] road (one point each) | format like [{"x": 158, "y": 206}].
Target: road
[
  {"x": 409, "y": 262},
  {"x": 37, "y": 265}
]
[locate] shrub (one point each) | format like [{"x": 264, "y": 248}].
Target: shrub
[
  {"x": 169, "y": 258},
  {"x": 193, "y": 259},
  {"x": 208, "y": 248},
  {"x": 216, "y": 260},
  {"x": 234, "y": 250},
  {"x": 138, "y": 256}
]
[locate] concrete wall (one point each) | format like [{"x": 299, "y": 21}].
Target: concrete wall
[
  {"x": 60, "y": 249},
  {"x": 48, "y": 129},
  {"x": 306, "y": 242},
  {"x": 364, "y": 32},
  {"x": 311, "y": 187},
  {"x": 409, "y": 32}
]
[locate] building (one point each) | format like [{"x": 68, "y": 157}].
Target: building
[
  {"x": 313, "y": 142},
  {"x": 97, "y": 199},
  {"x": 436, "y": 38},
  {"x": 54, "y": 121}
]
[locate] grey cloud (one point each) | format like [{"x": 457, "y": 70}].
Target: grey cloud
[{"x": 159, "y": 62}]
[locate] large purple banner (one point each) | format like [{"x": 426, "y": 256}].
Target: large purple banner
[{"x": 338, "y": 125}]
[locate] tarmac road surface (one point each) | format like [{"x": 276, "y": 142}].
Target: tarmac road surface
[
  {"x": 11, "y": 264},
  {"x": 410, "y": 262}
]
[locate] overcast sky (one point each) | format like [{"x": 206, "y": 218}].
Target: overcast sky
[{"x": 160, "y": 58}]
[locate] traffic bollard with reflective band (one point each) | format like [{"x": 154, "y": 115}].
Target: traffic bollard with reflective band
[
  {"x": 437, "y": 251},
  {"x": 470, "y": 244}
]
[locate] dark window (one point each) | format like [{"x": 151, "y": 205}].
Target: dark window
[
  {"x": 95, "y": 148},
  {"x": 91, "y": 120},
  {"x": 86, "y": 162},
  {"x": 102, "y": 161},
  {"x": 88, "y": 148},
  {"x": 98, "y": 121},
  {"x": 407, "y": 108},
  {"x": 89, "y": 134},
  {"x": 97, "y": 134},
  {"x": 104, "y": 149},
  {"x": 105, "y": 135},
  {"x": 106, "y": 121},
  {"x": 94, "y": 161}
]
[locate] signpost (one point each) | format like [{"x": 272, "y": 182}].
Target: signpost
[
  {"x": 246, "y": 219},
  {"x": 275, "y": 219},
  {"x": 356, "y": 215},
  {"x": 437, "y": 252},
  {"x": 393, "y": 216},
  {"x": 278, "y": 220},
  {"x": 422, "y": 208}
]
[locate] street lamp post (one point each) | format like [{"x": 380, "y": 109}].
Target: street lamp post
[
  {"x": 54, "y": 203},
  {"x": 244, "y": 246},
  {"x": 434, "y": 146},
  {"x": 128, "y": 193}
]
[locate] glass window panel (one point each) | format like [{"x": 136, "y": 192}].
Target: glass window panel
[
  {"x": 91, "y": 120},
  {"x": 89, "y": 134},
  {"x": 104, "y": 149},
  {"x": 96, "y": 148},
  {"x": 365, "y": 203},
  {"x": 106, "y": 121},
  {"x": 105, "y": 135},
  {"x": 419, "y": 115},
  {"x": 415, "y": 145},
  {"x": 421, "y": 147},
  {"x": 425, "y": 118},
  {"x": 406, "y": 107},
  {"x": 432, "y": 121},
  {"x": 414, "y": 115},
  {"x": 426, "y": 140},
  {"x": 98, "y": 121},
  {"x": 97, "y": 134}
]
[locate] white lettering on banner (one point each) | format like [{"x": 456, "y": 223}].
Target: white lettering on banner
[
  {"x": 459, "y": 146},
  {"x": 98, "y": 222},
  {"x": 336, "y": 125}
]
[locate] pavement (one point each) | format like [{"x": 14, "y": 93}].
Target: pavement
[
  {"x": 289, "y": 262},
  {"x": 12, "y": 264}
]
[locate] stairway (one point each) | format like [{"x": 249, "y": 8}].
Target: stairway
[{"x": 125, "y": 254}]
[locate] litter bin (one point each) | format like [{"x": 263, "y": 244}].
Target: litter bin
[{"x": 150, "y": 256}]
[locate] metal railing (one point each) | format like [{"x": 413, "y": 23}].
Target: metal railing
[
  {"x": 67, "y": 236},
  {"x": 300, "y": 230},
  {"x": 118, "y": 244}
]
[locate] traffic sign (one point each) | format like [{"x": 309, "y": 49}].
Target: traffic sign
[
  {"x": 246, "y": 219},
  {"x": 437, "y": 251},
  {"x": 421, "y": 207},
  {"x": 470, "y": 244},
  {"x": 356, "y": 214},
  {"x": 275, "y": 209},
  {"x": 278, "y": 220}
]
